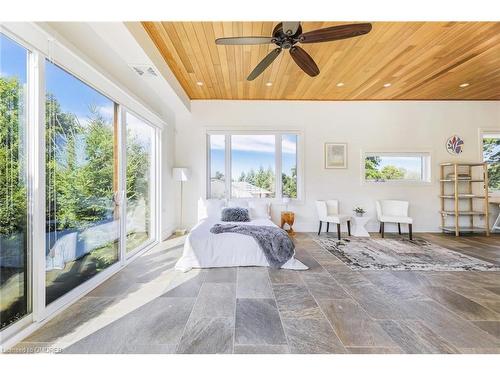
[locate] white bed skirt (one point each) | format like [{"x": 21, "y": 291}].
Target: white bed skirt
[{"x": 203, "y": 249}]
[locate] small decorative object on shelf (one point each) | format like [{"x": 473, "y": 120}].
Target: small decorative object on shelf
[
  {"x": 455, "y": 145},
  {"x": 359, "y": 211},
  {"x": 464, "y": 198}
]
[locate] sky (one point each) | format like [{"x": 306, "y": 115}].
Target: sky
[
  {"x": 251, "y": 152},
  {"x": 410, "y": 163},
  {"x": 75, "y": 96},
  {"x": 13, "y": 59},
  {"x": 13, "y": 63}
]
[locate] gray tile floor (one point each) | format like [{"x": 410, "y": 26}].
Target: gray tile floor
[{"x": 150, "y": 308}]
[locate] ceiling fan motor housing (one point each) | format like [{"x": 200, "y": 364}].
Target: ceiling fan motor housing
[{"x": 283, "y": 39}]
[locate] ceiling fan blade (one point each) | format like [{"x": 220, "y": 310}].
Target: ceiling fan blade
[
  {"x": 266, "y": 61},
  {"x": 335, "y": 33},
  {"x": 244, "y": 40},
  {"x": 290, "y": 28},
  {"x": 304, "y": 61}
]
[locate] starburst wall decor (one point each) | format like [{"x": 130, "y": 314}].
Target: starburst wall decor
[{"x": 455, "y": 145}]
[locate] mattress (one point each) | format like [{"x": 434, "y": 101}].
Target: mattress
[{"x": 203, "y": 249}]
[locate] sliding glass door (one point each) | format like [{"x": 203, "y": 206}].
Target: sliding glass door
[
  {"x": 82, "y": 219},
  {"x": 140, "y": 181},
  {"x": 78, "y": 179},
  {"x": 14, "y": 261}
]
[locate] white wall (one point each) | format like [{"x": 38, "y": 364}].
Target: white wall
[{"x": 365, "y": 126}]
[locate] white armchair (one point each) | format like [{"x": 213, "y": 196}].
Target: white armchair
[
  {"x": 391, "y": 211},
  {"x": 328, "y": 212}
]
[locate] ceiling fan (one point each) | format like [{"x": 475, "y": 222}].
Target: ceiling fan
[{"x": 287, "y": 34}]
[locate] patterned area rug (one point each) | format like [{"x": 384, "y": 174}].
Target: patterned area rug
[{"x": 400, "y": 254}]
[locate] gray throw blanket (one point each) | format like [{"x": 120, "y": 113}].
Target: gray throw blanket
[{"x": 274, "y": 242}]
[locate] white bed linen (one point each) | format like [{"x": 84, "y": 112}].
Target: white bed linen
[{"x": 203, "y": 249}]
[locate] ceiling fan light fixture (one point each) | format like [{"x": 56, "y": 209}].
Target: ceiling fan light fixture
[
  {"x": 340, "y": 84},
  {"x": 465, "y": 84},
  {"x": 287, "y": 34},
  {"x": 388, "y": 84}
]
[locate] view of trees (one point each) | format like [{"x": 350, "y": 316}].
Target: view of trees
[
  {"x": 388, "y": 172},
  {"x": 79, "y": 168},
  {"x": 491, "y": 153},
  {"x": 13, "y": 204},
  {"x": 79, "y": 181},
  {"x": 12, "y": 181},
  {"x": 289, "y": 184},
  {"x": 263, "y": 178}
]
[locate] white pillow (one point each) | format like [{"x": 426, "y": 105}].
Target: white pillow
[
  {"x": 238, "y": 203},
  {"x": 259, "y": 210},
  {"x": 210, "y": 208}
]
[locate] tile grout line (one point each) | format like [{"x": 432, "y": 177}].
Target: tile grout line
[
  {"x": 354, "y": 299},
  {"x": 279, "y": 313},
  {"x": 189, "y": 317},
  {"x": 397, "y": 321},
  {"x": 235, "y": 302},
  {"x": 320, "y": 309}
]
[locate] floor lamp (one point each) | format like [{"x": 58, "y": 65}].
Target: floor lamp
[{"x": 181, "y": 174}]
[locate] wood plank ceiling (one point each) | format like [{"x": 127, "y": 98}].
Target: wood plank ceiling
[{"x": 420, "y": 60}]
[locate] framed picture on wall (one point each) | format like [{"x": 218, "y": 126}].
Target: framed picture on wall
[{"x": 335, "y": 155}]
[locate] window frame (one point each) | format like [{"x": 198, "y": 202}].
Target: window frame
[
  {"x": 42, "y": 45},
  {"x": 482, "y": 133},
  {"x": 30, "y": 137},
  {"x": 277, "y": 163},
  {"x": 154, "y": 188},
  {"x": 426, "y": 172}
]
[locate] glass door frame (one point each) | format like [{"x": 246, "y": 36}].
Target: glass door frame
[
  {"x": 42, "y": 47},
  {"x": 154, "y": 188},
  {"x": 42, "y": 310},
  {"x": 31, "y": 107}
]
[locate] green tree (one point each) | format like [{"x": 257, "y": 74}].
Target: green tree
[
  {"x": 491, "y": 154},
  {"x": 250, "y": 178},
  {"x": 219, "y": 175},
  {"x": 12, "y": 175},
  {"x": 372, "y": 164},
  {"x": 390, "y": 172},
  {"x": 289, "y": 183}
]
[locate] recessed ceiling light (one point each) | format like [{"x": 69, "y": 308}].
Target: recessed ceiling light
[
  {"x": 464, "y": 84},
  {"x": 269, "y": 84},
  {"x": 387, "y": 84},
  {"x": 199, "y": 83},
  {"x": 340, "y": 84}
]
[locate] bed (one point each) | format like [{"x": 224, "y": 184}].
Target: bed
[{"x": 203, "y": 249}]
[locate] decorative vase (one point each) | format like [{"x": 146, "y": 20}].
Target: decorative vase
[{"x": 360, "y": 214}]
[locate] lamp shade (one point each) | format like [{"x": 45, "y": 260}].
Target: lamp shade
[
  {"x": 181, "y": 174},
  {"x": 286, "y": 200}
]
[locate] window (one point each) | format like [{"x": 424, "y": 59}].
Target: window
[
  {"x": 253, "y": 166},
  {"x": 82, "y": 228},
  {"x": 217, "y": 180},
  {"x": 14, "y": 280},
  {"x": 140, "y": 178},
  {"x": 289, "y": 165},
  {"x": 491, "y": 155},
  {"x": 248, "y": 165},
  {"x": 396, "y": 167}
]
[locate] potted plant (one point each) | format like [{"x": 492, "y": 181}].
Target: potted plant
[{"x": 359, "y": 211}]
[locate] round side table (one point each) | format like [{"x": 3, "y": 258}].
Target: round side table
[
  {"x": 288, "y": 217},
  {"x": 359, "y": 226}
]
